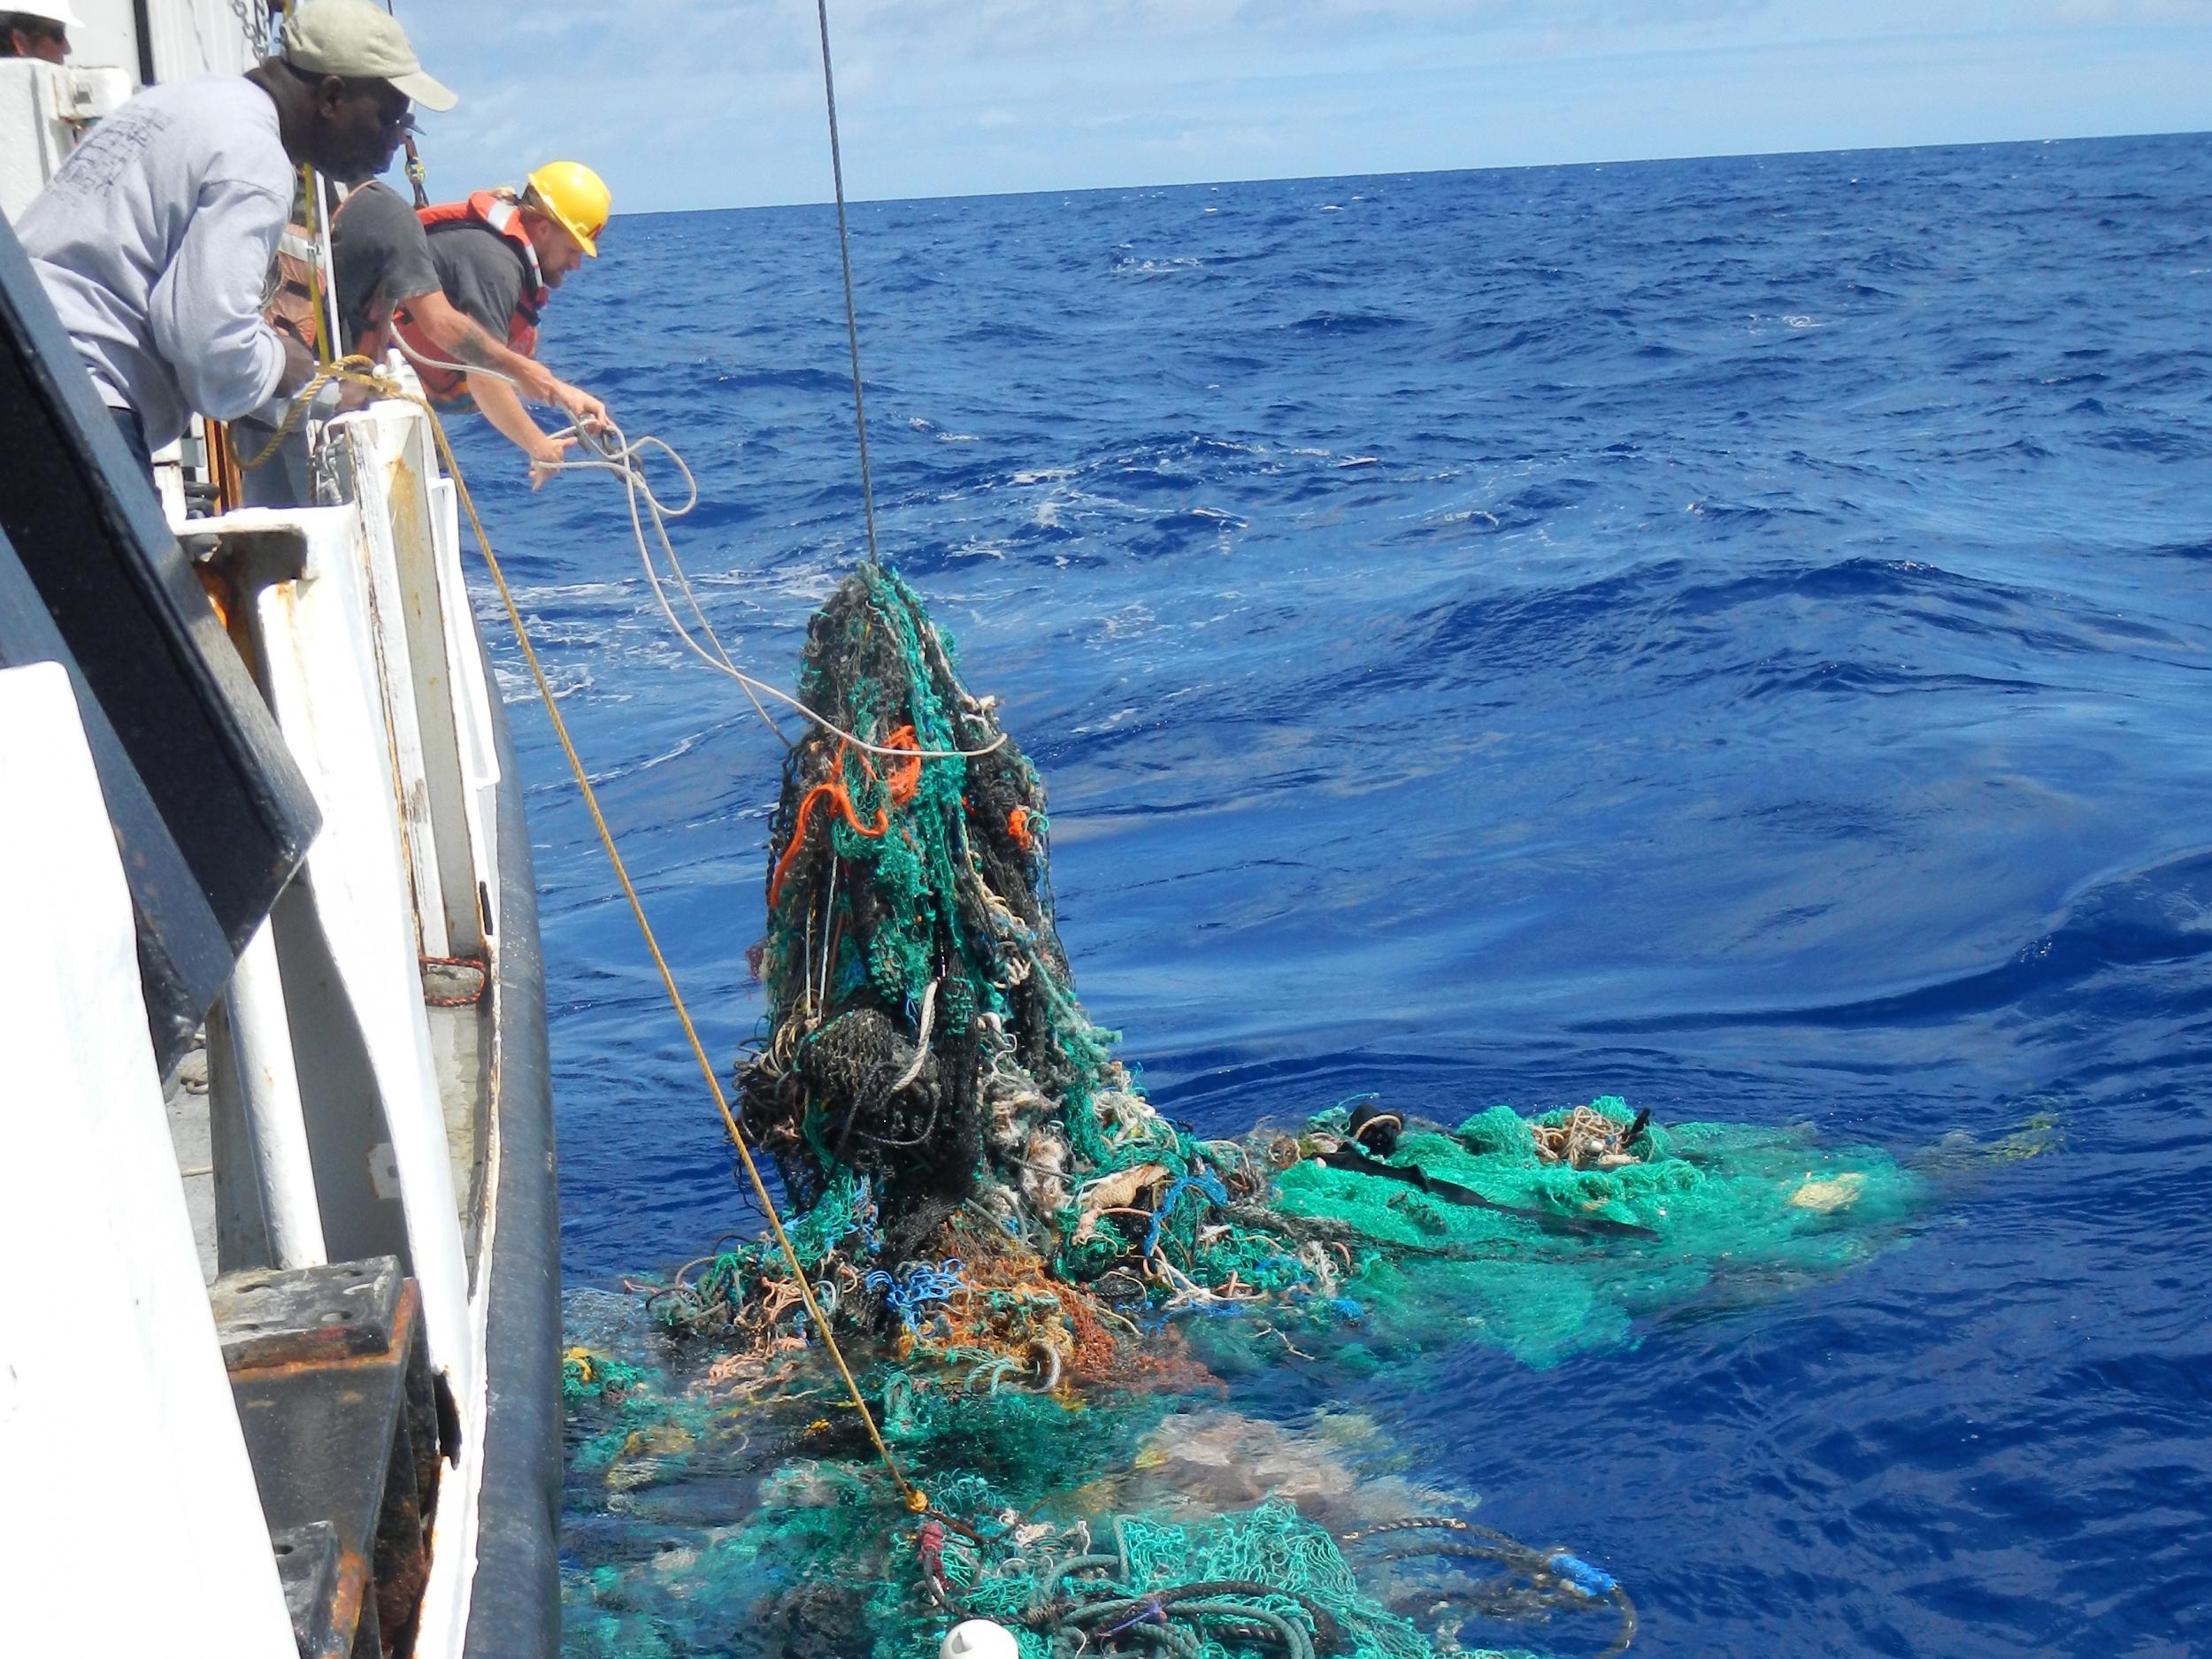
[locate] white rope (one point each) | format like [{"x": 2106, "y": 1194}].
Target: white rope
[
  {"x": 610, "y": 451},
  {"x": 821, "y": 998},
  {"x": 921, "y": 1040}
]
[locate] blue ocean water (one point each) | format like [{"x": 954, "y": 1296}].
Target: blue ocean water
[{"x": 1731, "y": 632}]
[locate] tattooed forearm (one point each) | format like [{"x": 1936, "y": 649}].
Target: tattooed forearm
[{"x": 475, "y": 347}]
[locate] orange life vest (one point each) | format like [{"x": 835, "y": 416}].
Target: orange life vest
[
  {"x": 501, "y": 216},
  {"x": 289, "y": 302}
]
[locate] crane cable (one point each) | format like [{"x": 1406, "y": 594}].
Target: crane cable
[{"x": 845, "y": 258}]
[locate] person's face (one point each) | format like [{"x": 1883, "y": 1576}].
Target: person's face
[
  {"x": 557, "y": 251},
  {"x": 358, "y": 124},
  {"x": 50, "y": 44}
]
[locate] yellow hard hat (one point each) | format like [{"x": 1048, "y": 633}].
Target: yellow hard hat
[{"x": 575, "y": 198}]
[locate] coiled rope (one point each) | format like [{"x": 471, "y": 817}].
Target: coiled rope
[{"x": 608, "y": 450}]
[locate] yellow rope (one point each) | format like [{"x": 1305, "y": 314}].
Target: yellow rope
[
  {"x": 358, "y": 370},
  {"x": 345, "y": 370}
]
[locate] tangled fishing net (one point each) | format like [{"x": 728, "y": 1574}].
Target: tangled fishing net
[{"x": 1015, "y": 1247}]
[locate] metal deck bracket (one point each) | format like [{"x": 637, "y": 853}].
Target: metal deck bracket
[
  {"x": 332, "y": 1379},
  {"x": 322, "y": 1596}
]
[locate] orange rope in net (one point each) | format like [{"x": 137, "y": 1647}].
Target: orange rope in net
[{"x": 900, "y": 786}]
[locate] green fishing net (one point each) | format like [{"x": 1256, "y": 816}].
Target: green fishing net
[
  {"x": 1735, "y": 1211},
  {"x": 702, "y": 1522}
]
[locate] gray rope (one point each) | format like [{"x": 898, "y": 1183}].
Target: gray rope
[{"x": 845, "y": 254}]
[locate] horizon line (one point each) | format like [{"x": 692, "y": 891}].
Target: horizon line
[{"x": 1418, "y": 173}]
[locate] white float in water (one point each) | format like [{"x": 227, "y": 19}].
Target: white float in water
[{"x": 979, "y": 1638}]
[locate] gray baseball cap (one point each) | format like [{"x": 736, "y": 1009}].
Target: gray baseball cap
[{"x": 361, "y": 41}]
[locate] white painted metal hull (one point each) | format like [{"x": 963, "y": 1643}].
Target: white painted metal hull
[{"x": 115, "y": 1414}]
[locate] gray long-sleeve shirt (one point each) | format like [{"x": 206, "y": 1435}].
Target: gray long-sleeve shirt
[{"x": 155, "y": 241}]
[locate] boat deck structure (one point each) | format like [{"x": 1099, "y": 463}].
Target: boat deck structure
[{"x": 276, "y": 991}]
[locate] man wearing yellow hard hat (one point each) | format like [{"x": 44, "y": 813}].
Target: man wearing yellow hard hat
[
  {"x": 499, "y": 256},
  {"x": 381, "y": 264}
]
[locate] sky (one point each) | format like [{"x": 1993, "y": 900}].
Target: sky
[{"x": 698, "y": 104}]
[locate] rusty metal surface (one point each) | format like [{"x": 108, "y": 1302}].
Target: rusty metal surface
[
  {"x": 308, "y": 1315},
  {"x": 324, "y": 1589},
  {"x": 331, "y": 1376}
]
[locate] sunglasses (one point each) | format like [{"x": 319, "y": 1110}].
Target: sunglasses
[{"x": 395, "y": 114}]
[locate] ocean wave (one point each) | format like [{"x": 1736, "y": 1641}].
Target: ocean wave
[
  {"x": 2159, "y": 915},
  {"x": 1772, "y": 721},
  {"x": 1351, "y": 322}
]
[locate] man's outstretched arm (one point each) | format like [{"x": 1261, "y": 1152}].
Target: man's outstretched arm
[{"x": 459, "y": 338}]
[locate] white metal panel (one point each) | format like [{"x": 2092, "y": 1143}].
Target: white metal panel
[
  {"x": 114, "y": 1409},
  {"x": 410, "y": 466},
  {"x": 405, "y": 722},
  {"x": 44, "y": 108},
  {"x": 470, "y": 690},
  {"x": 193, "y": 38},
  {"x": 262, "y": 1067},
  {"x": 473, "y": 694},
  {"x": 106, "y": 35}
]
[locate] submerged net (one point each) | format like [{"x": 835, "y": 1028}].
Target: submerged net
[{"x": 1011, "y": 1243}]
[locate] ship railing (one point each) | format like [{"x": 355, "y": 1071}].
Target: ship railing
[{"x": 354, "y": 1058}]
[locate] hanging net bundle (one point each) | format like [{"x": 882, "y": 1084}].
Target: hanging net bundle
[{"x": 1036, "y": 1273}]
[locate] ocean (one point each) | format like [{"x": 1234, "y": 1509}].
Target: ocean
[{"x": 1731, "y": 633}]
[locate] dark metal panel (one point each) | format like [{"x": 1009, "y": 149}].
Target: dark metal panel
[
  {"x": 143, "y": 30},
  {"x": 140, "y": 637},
  {"x": 322, "y": 1587},
  {"x": 514, "y": 1611}
]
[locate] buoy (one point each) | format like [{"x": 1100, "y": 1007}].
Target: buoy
[{"x": 979, "y": 1638}]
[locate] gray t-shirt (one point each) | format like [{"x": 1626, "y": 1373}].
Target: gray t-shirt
[
  {"x": 483, "y": 272},
  {"x": 155, "y": 241},
  {"x": 381, "y": 257}
]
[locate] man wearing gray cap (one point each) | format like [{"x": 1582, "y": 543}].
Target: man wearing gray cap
[
  {"x": 155, "y": 240},
  {"x": 40, "y": 29}
]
